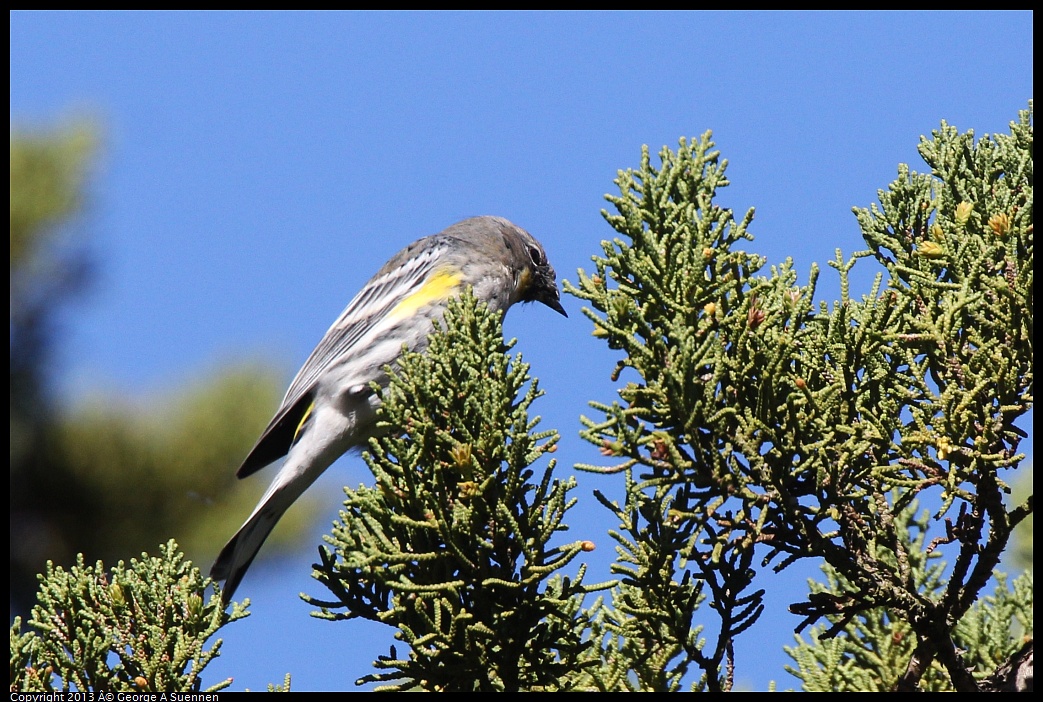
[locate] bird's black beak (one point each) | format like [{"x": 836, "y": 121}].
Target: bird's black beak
[
  {"x": 555, "y": 305},
  {"x": 544, "y": 289},
  {"x": 549, "y": 297}
]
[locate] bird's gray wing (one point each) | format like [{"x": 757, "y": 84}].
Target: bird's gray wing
[{"x": 399, "y": 278}]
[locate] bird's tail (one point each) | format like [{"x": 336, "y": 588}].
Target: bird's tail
[
  {"x": 295, "y": 476},
  {"x": 237, "y": 555},
  {"x": 324, "y": 435}
]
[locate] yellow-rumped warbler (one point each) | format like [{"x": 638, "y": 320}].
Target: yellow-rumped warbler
[{"x": 330, "y": 406}]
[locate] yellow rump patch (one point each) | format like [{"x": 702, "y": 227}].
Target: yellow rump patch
[{"x": 437, "y": 288}]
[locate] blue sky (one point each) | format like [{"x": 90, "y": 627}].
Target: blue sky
[{"x": 257, "y": 168}]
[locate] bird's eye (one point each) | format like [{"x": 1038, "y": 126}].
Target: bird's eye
[{"x": 538, "y": 259}]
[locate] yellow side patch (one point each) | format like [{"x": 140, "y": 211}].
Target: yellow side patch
[
  {"x": 438, "y": 287},
  {"x": 307, "y": 414}
]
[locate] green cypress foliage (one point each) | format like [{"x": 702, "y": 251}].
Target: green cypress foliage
[
  {"x": 141, "y": 627},
  {"x": 754, "y": 428},
  {"x": 750, "y": 421},
  {"x": 453, "y": 544}
]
